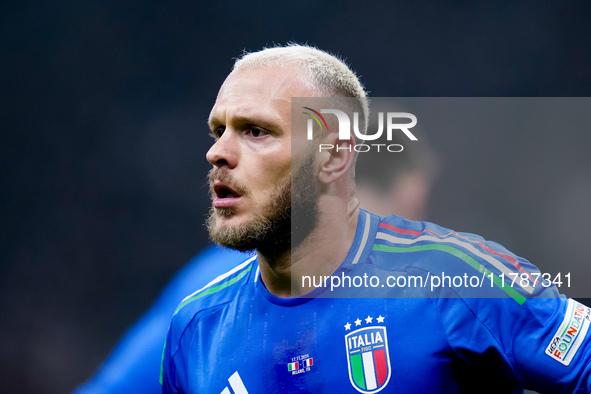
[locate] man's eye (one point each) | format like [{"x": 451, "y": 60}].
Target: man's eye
[
  {"x": 217, "y": 133},
  {"x": 256, "y": 132}
]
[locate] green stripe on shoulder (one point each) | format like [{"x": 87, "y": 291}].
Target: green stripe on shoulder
[
  {"x": 460, "y": 255},
  {"x": 215, "y": 289},
  {"x": 162, "y": 363}
]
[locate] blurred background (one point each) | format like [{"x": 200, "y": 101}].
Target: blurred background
[{"x": 102, "y": 141}]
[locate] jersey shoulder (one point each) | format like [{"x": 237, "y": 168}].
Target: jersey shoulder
[
  {"x": 415, "y": 246},
  {"x": 397, "y": 234},
  {"x": 222, "y": 290}
]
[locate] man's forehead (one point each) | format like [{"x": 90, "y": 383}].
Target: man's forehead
[
  {"x": 274, "y": 80},
  {"x": 242, "y": 108},
  {"x": 254, "y": 90},
  {"x": 247, "y": 113}
]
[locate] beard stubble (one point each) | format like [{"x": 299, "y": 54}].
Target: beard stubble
[{"x": 287, "y": 218}]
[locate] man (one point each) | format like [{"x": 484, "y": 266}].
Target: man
[
  {"x": 134, "y": 364},
  {"x": 262, "y": 328}
]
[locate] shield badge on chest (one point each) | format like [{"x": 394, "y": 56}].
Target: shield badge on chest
[{"x": 368, "y": 359}]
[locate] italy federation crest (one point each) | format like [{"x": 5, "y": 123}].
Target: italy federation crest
[{"x": 368, "y": 359}]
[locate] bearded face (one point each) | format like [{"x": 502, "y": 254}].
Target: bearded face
[{"x": 282, "y": 221}]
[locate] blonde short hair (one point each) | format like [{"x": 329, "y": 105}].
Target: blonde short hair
[{"x": 330, "y": 74}]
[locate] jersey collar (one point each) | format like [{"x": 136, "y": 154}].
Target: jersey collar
[{"x": 365, "y": 233}]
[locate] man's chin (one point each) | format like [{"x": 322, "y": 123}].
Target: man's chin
[
  {"x": 222, "y": 213},
  {"x": 229, "y": 237},
  {"x": 230, "y": 230},
  {"x": 250, "y": 232},
  {"x": 267, "y": 229}
]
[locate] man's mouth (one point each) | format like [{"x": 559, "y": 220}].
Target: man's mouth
[
  {"x": 225, "y": 192},
  {"x": 224, "y": 195}
]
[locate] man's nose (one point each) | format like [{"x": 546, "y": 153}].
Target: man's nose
[{"x": 224, "y": 152}]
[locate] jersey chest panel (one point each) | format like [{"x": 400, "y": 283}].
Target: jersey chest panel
[{"x": 322, "y": 346}]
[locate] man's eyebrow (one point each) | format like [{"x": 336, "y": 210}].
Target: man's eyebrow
[
  {"x": 212, "y": 122},
  {"x": 246, "y": 120}
]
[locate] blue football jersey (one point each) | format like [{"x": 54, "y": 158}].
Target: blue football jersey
[
  {"x": 414, "y": 308},
  {"x": 133, "y": 366}
]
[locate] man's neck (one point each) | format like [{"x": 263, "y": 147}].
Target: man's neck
[{"x": 319, "y": 255}]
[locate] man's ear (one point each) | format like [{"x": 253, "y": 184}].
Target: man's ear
[{"x": 335, "y": 162}]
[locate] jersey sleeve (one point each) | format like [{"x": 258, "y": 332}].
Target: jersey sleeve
[
  {"x": 168, "y": 373},
  {"x": 525, "y": 328},
  {"x": 173, "y": 371},
  {"x": 134, "y": 364}
]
